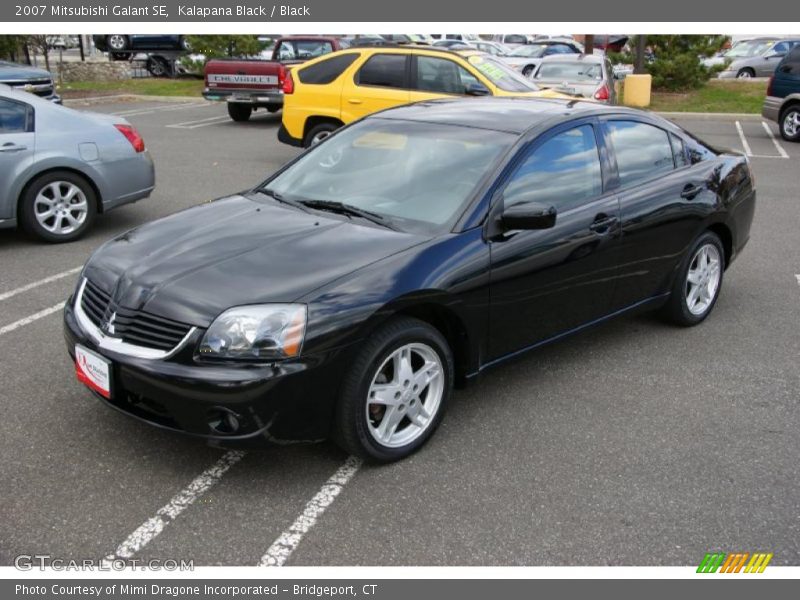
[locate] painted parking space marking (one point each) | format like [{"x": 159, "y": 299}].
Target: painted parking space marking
[
  {"x": 31, "y": 318},
  {"x": 200, "y": 122},
  {"x": 743, "y": 139},
  {"x": 159, "y": 109},
  {"x": 778, "y": 147},
  {"x": 35, "y": 284},
  {"x": 287, "y": 542},
  {"x": 150, "y": 529},
  {"x": 798, "y": 278}
]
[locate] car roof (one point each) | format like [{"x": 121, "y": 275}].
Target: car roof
[
  {"x": 588, "y": 58},
  {"x": 511, "y": 115}
]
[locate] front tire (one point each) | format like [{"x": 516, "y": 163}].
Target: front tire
[
  {"x": 395, "y": 394},
  {"x": 239, "y": 112},
  {"x": 789, "y": 124},
  {"x": 746, "y": 73},
  {"x": 59, "y": 206},
  {"x": 117, "y": 43},
  {"x": 698, "y": 284}
]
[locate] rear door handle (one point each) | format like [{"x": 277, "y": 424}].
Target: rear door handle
[
  {"x": 355, "y": 100},
  {"x": 9, "y": 147},
  {"x": 691, "y": 190},
  {"x": 603, "y": 223}
]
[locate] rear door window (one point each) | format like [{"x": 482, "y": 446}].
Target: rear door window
[
  {"x": 643, "y": 151},
  {"x": 384, "y": 70}
]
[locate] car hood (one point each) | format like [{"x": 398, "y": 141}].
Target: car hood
[
  {"x": 9, "y": 70},
  {"x": 197, "y": 263}
]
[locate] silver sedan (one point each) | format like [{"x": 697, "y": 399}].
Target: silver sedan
[{"x": 60, "y": 167}]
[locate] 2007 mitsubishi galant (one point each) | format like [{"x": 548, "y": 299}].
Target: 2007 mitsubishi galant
[{"x": 346, "y": 295}]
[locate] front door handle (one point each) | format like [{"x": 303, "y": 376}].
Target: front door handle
[
  {"x": 691, "y": 190},
  {"x": 355, "y": 100},
  {"x": 603, "y": 223},
  {"x": 9, "y": 147}
]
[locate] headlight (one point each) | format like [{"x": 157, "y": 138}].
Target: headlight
[{"x": 260, "y": 331}]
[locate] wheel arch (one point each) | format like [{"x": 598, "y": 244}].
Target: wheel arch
[
  {"x": 724, "y": 233},
  {"x": 312, "y": 122}
]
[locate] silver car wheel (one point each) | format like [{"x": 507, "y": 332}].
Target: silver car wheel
[
  {"x": 702, "y": 279},
  {"x": 61, "y": 207},
  {"x": 117, "y": 42},
  {"x": 405, "y": 395},
  {"x": 319, "y": 137},
  {"x": 744, "y": 74},
  {"x": 791, "y": 123}
]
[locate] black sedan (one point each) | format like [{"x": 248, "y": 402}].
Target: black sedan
[{"x": 346, "y": 295}]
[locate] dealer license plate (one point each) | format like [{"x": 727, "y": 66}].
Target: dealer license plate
[{"x": 93, "y": 370}]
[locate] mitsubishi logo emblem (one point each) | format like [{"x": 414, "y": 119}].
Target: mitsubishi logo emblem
[{"x": 109, "y": 326}]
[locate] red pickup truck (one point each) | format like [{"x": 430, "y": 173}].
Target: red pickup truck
[{"x": 248, "y": 84}]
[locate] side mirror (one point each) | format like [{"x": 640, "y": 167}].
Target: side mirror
[
  {"x": 528, "y": 215},
  {"x": 477, "y": 89}
]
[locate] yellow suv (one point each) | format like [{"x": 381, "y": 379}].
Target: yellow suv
[{"x": 323, "y": 94}]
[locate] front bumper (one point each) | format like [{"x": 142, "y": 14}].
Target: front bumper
[
  {"x": 278, "y": 403},
  {"x": 771, "y": 109}
]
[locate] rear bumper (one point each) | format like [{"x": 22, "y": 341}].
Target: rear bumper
[
  {"x": 127, "y": 181},
  {"x": 285, "y": 137},
  {"x": 272, "y": 97},
  {"x": 771, "y": 109}
]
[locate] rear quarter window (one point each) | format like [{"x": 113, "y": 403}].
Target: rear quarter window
[
  {"x": 327, "y": 70},
  {"x": 384, "y": 70}
]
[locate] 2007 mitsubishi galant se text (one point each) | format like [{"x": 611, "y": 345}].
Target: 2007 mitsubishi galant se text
[{"x": 346, "y": 295}]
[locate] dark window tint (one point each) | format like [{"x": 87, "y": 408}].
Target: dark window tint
[
  {"x": 327, "y": 70},
  {"x": 559, "y": 49},
  {"x": 302, "y": 49},
  {"x": 678, "y": 151},
  {"x": 516, "y": 39},
  {"x": 442, "y": 75},
  {"x": 385, "y": 70},
  {"x": 791, "y": 64},
  {"x": 563, "y": 172},
  {"x": 642, "y": 151},
  {"x": 13, "y": 117}
]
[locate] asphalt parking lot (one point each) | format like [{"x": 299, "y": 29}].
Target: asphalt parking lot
[{"x": 634, "y": 443}]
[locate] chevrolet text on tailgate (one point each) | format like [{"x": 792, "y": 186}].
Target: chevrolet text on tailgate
[{"x": 248, "y": 84}]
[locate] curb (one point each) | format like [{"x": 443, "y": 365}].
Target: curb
[
  {"x": 133, "y": 97},
  {"x": 710, "y": 116}
]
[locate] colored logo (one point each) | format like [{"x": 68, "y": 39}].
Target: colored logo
[{"x": 736, "y": 562}]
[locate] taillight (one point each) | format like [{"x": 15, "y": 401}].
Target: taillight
[
  {"x": 769, "y": 85},
  {"x": 288, "y": 82},
  {"x": 132, "y": 136},
  {"x": 602, "y": 93}
]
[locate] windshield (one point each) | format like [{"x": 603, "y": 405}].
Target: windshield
[
  {"x": 570, "y": 71},
  {"x": 534, "y": 51},
  {"x": 748, "y": 49},
  {"x": 500, "y": 74},
  {"x": 419, "y": 176}
]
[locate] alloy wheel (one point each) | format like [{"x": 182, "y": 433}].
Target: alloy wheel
[
  {"x": 117, "y": 42},
  {"x": 61, "y": 207},
  {"x": 405, "y": 395},
  {"x": 791, "y": 123},
  {"x": 702, "y": 279},
  {"x": 319, "y": 137}
]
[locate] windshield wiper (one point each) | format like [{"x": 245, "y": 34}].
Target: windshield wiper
[
  {"x": 276, "y": 196},
  {"x": 348, "y": 209}
]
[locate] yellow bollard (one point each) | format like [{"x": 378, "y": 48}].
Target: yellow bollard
[{"x": 637, "y": 90}]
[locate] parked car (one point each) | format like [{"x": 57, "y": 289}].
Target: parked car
[
  {"x": 247, "y": 84},
  {"x": 461, "y": 37},
  {"x": 580, "y": 75},
  {"x": 122, "y": 46},
  {"x": 513, "y": 40},
  {"x": 756, "y": 58},
  {"x": 493, "y": 48},
  {"x": 525, "y": 59},
  {"x": 323, "y": 95},
  {"x": 782, "y": 104},
  {"x": 363, "y": 40},
  {"x": 59, "y": 167},
  {"x": 453, "y": 44},
  {"x": 29, "y": 79},
  {"x": 346, "y": 295}
]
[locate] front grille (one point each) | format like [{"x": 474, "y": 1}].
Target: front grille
[
  {"x": 41, "y": 87},
  {"x": 135, "y": 327}
]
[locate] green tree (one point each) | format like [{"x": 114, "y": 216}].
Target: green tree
[
  {"x": 225, "y": 46},
  {"x": 11, "y": 47}
]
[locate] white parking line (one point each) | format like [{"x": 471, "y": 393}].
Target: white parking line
[
  {"x": 200, "y": 122},
  {"x": 31, "y": 318},
  {"x": 165, "y": 108},
  {"x": 148, "y": 530},
  {"x": 778, "y": 147},
  {"x": 35, "y": 284},
  {"x": 287, "y": 542},
  {"x": 798, "y": 279},
  {"x": 745, "y": 145}
]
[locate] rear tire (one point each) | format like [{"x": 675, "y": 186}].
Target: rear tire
[
  {"x": 319, "y": 133},
  {"x": 402, "y": 375},
  {"x": 158, "y": 66},
  {"x": 59, "y": 206},
  {"x": 273, "y": 109},
  {"x": 789, "y": 123},
  {"x": 117, "y": 43},
  {"x": 698, "y": 283},
  {"x": 239, "y": 112}
]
